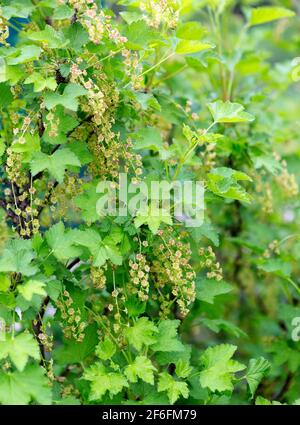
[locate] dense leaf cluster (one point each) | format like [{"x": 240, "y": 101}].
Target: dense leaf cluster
[{"x": 141, "y": 308}]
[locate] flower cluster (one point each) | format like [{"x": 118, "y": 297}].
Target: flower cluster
[
  {"x": 171, "y": 268},
  {"x": 96, "y": 22},
  {"x": 61, "y": 196},
  {"x": 98, "y": 277},
  {"x": 273, "y": 248},
  {"x": 4, "y": 31},
  {"x": 133, "y": 68},
  {"x": 139, "y": 277},
  {"x": 208, "y": 261},
  {"x": 74, "y": 325},
  {"x": 157, "y": 12}
]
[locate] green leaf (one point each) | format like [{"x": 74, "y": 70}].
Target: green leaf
[
  {"x": 17, "y": 257},
  {"x": 25, "y": 54},
  {"x": 49, "y": 36},
  {"x": 191, "y": 31},
  {"x": 56, "y": 163},
  {"x": 139, "y": 36},
  {"x": 68, "y": 99},
  {"x": 77, "y": 36},
  {"x": 63, "y": 12},
  {"x": 208, "y": 289},
  {"x": 141, "y": 333},
  {"x": 148, "y": 138},
  {"x": 62, "y": 242},
  {"x": 40, "y": 83},
  {"x": 262, "y": 15},
  {"x": 153, "y": 217},
  {"x": 6, "y": 96},
  {"x": 105, "y": 349},
  {"x": 31, "y": 144},
  {"x": 20, "y": 388},
  {"x": 19, "y": 349},
  {"x": 174, "y": 388},
  {"x": 218, "y": 325},
  {"x": 227, "y": 112},
  {"x": 75, "y": 352},
  {"x": 257, "y": 369},
  {"x": 222, "y": 181},
  {"x": 31, "y": 288},
  {"x": 17, "y": 9},
  {"x": 185, "y": 47},
  {"x": 141, "y": 368},
  {"x": 101, "y": 250},
  {"x": 183, "y": 368},
  {"x": 4, "y": 282},
  {"x": 87, "y": 201},
  {"x": 103, "y": 381},
  {"x": 167, "y": 338},
  {"x": 218, "y": 368}
]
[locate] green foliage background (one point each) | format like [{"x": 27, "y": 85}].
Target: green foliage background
[{"x": 143, "y": 309}]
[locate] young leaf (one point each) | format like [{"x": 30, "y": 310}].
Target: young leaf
[
  {"x": 19, "y": 349},
  {"x": 227, "y": 112},
  {"x": 185, "y": 47},
  {"x": 257, "y": 369},
  {"x": 262, "y": 15},
  {"x": 141, "y": 368},
  {"x": 103, "y": 381},
  {"x": 153, "y": 217},
  {"x": 31, "y": 288},
  {"x": 105, "y": 349},
  {"x": 40, "y": 83},
  {"x": 167, "y": 339},
  {"x": 141, "y": 333},
  {"x": 218, "y": 368},
  {"x": 174, "y": 388},
  {"x": 191, "y": 31}
]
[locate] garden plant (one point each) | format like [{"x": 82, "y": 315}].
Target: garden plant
[{"x": 105, "y": 304}]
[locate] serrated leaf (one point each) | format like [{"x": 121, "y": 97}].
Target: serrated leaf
[
  {"x": 153, "y": 217},
  {"x": 68, "y": 99},
  {"x": 173, "y": 388},
  {"x": 227, "y": 112},
  {"x": 143, "y": 332},
  {"x": 218, "y": 368},
  {"x": 141, "y": 368},
  {"x": 103, "y": 381},
  {"x": 31, "y": 288},
  {"x": 257, "y": 369},
  {"x": 40, "y": 83},
  {"x": 56, "y": 163},
  {"x": 62, "y": 242},
  {"x": 17, "y": 257},
  {"x": 208, "y": 289},
  {"x": 167, "y": 338},
  {"x": 49, "y": 36},
  {"x": 20, "y": 388},
  {"x": 19, "y": 349}
]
